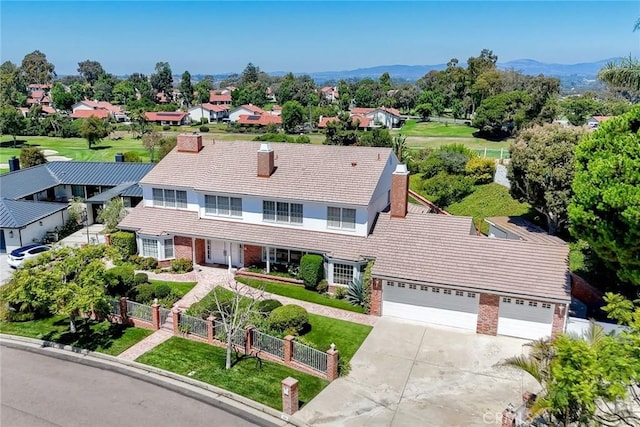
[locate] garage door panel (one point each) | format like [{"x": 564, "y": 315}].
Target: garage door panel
[
  {"x": 523, "y": 328},
  {"x": 524, "y": 319},
  {"x": 431, "y": 299},
  {"x": 436, "y": 316}
]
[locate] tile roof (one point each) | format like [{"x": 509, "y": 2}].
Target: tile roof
[
  {"x": 101, "y": 105},
  {"x": 24, "y": 182},
  {"x": 524, "y": 229},
  {"x": 601, "y": 118},
  {"x": 365, "y": 122},
  {"x": 49, "y": 110},
  {"x": 20, "y": 213},
  {"x": 322, "y": 173},
  {"x": 251, "y": 108},
  {"x": 218, "y": 97},
  {"x": 260, "y": 120},
  {"x": 166, "y": 116},
  {"x": 390, "y": 110},
  {"x": 211, "y": 107},
  {"x": 426, "y": 248},
  {"x": 158, "y": 221},
  {"x": 362, "y": 110},
  {"x": 85, "y": 114}
]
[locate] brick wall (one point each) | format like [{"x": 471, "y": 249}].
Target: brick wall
[
  {"x": 399, "y": 195},
  {"x": 189, "y": 143},
  {"x": 376, "y": 297},
  {"x": 200, "y": 251},
  {"x": 559, "y": 316},
  {"x": 252, "y": 255},
  {"x": 265, "y": 163},
  {"x": 182, "y": 247},
  {"x": 488, "y": 314}
]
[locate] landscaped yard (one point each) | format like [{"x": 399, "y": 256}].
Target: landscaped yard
[
  {"x": 74, "y": 148},
  {"x": 178, "y": 288},
  {"x": 431, "y": 129},
  {"x": 206, "y": 363},
  {"x": 103, "y": 337},
  {"x": 347, "y": 336},
  {"x": 300, "y": 293}
]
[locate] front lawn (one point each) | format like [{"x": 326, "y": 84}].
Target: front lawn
[
  {"x": 300, "y": 293},
  {"x": 347, "y": 336},
  {"x": 487, "y": 201},
  {"x": 103, "y": 337},
  {"x": 430, "y": 129},
  {"x": 178, "y": 288},
  {"x": 205, "y": 363}
]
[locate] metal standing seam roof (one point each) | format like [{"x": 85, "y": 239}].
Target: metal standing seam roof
[
  {"x": 320, "y": 173},
  {"x": 116, "y": 191},
  {"x": 19, "y": 213},
  {"x": 24, "y": 182}
]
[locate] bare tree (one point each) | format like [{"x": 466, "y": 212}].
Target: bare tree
[
  {"x": 151, "y": 141},
  {"x": 235, "y": 308}
]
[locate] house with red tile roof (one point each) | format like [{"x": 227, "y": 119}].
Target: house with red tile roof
[
  {"x": 106, "y": 109},
  {"x": 217, "y": 98},
  {"x": 242, "y": 203},
  {"x": 85, "y": 114},
  {"x": 259, "y": 120},
  {"x": 210, "y": 112},
  {"x": 330, "y": 93},
  {"x": 247, "y": 110},
  {"x": 364, "y": 123},
  {"x": 173, "y": 118},
  {"x": 39, "y": 97},
  {"x": 594, "y": 122},
  {"x": 387, "y": 117}
]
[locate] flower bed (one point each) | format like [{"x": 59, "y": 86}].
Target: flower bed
[{"x": 270, "y": 278}]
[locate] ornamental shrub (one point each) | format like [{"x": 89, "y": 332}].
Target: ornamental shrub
[
  {"x": 141, "y": 278},
  {"x": 289, "y": 318},
  {"x": 311, "y": 271},
  {"x": 125, "y": 243},
  {"x": 162, "y": 290},
  {"x": 145, "y": 293},
  {"x": 481, "y": 169},
  {"x": 204, "y": 129},
  {"x": 181, "y": 265},
  {"x": 265, "y": 307}
]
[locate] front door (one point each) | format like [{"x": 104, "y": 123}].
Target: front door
[
  {"x": 218, "y": 252},
  {"x": 3, "y": 244}
]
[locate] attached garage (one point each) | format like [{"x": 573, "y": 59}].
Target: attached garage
[
  {"x": 525, "y": 319},
  {"x": 430, "y": 304}
]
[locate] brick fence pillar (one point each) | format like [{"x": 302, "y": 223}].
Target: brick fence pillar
[
  {"x": 176, "y": 321},
  {"x": 107, "y": 239},
  {"x": 508, "y": 418},
  {"x": 289, "y": 395},
  {"x": 211, "y": 329},
  {"x": 375, "y": 307},
  {"x": 155, "y": 315},
  {"x": 333, "y": 358},
  {"x": 248, "y": 339},
  {"x": 288, "y": 348},
  {"x": 123, "y": 310},
  {"x": 559, "y": 319}
]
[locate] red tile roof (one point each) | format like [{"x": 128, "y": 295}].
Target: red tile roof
[
  {"x": 102, "y": 105},
  {"x": 260, "y": 120},
  {"x": 254, "y": 109},
  {"x": 85, "y": 114},
  {"x": 361, "y": 110},
  {"x": 365, "y": 122},
  {"x": 216, "y": 108},
  {"x": 391, "y": 111},
  {"x": 324, "y": 120},
  {"x": 165, "y": 116},
  {"x": 217, "y": 97},
  {"x": 601, "y": 118},
  {"x": 49, "y": 110}
]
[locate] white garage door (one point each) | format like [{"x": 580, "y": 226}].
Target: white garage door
[
  {"x": 430, "y": 304},
  {"x": 524, "y": 319}
]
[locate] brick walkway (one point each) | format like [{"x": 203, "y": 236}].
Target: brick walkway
[{"x": 209, "y": 277}]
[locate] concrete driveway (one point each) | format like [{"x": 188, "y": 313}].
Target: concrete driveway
[
  {"x": 408, "y": 374},
  {"x": 5, "y": 271}
]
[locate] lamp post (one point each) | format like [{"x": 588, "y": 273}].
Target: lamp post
[{"x": 84, "y": 219}]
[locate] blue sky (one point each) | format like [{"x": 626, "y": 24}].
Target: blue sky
[{"x": 303, "y": 36}]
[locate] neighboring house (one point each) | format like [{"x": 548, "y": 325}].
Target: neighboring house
[
  {"x": 594, "y": 122},
  {"x": 227, "y": 90},
  {"x": 88, "y": 105},
  {"x": 270, "y": 94},
  {"x": 387, "y": 117},
  {"x": 361, "y": 111},
  {"x": 246, "y": 110},
  {"x": 39, "y": 97},
  {"x": 173, "y": 118},
  {"x": 276, "y": 110},
  {"x": 364, "y": 123},
  {"x": 85, "y": 114},
  {"x": 259, "y": 120},
  {"x": 45, "y": 110},
  {"x": 211, "y": 112},
  {"x": 242, "y": 203},
  {"x": 330, "y": 93},
  {"x": 34, "y": 201},
  {"x": 217, "y": 98}
]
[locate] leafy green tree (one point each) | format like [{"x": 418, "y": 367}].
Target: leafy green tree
[
  {"x": 444, "y": 189},
  {"x": 123, "y": 93},
  {"x": 103, "y": 87},
  {"x": 90, "y": 71},
  {"x": 167, "y": 144},
  {"x": 162, "y": 79},
  {"x": 35, "y": 68},
  {"x": 11, "y": 122},
  {"x": 342, "y": 131},
  {"x": 435, "y": 99},
  {"x": 203, "y": 88},
  {"x": 423, "y": 110},
  {"x": 80, "y": 91},
  {"x": 250, "y": 74},
  {"x": 12, "y": 88},
  {"x": 31, "y": 156},
  {"x": 406, "y": 96},
  {"x": 376, "y": 137},
  {"x": 624, "y": 73},
  {"x": 345, "y": 95},
  {"x": 293, "y": 115},
  {"x": 186, "y": 88},
  {"x": 62, "y": 99},
  {"x": 250, "y": 93},
  {"x": 152, "y": 141},
  {"x": 501, "y": 115},
  {"x": 605, "y": 210},
  {"x": 112, "y": 213},
  {"x": 94, "y": 129},
  {"x": 385, "y": 81},
  {"x": 578, "y": 109},
  {"x": 367, "y": 93},
  {"x": 541, "y": 171},
  {"x": 139, "y": 122}
]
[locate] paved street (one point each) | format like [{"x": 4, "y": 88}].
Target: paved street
[{"x": 37, "y": 390}]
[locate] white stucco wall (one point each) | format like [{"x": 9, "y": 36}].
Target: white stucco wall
[
  {"x": 380, "y": 197},
  {"x": 34, "y": 231},
  {"x": 234, "y": 115}
]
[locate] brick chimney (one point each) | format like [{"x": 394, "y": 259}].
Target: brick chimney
[
  {"x": 189, "y": 143},
  {"x": 399, "y": 191},
  {"x": 265, "y": 161}
]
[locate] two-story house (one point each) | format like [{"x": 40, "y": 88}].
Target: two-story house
[{"x": 242, "y": 203}]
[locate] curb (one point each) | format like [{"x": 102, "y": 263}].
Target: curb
[{"x": 225, "y": 400}]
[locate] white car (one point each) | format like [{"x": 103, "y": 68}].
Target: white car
[{"x": 17, "y": 257}]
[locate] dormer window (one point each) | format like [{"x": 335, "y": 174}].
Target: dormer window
[{"x": 342, "y": 218}]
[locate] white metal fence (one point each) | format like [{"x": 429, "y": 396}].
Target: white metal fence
[
  {"x": 139, "y": 311},
  {"x": 579, "y": 326},
  {"x": 267, "y": 343},
  {"x": 309, "y": 356},
  {"x": 193, "y": 325}
]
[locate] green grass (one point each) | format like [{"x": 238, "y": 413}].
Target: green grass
[
  {"x": 300, "y": 293},
  {"x": 179, "y": 288},
  {"x": 347, "y": 336},
  {"x": 487, "y": 201},
  {"x": 103, "y": 337},
  {"x": 74, "y": 148},
  {"x": 436, "y": 129},
  {"x": 206, "y": 363}
]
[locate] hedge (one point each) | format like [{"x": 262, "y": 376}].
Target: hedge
[
  {"x": 125, "y": 243},
  {"x": 311, "y": 270},
  {"x": 290, "y": 319}
]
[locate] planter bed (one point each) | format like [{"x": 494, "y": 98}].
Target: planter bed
[{"x": 270, "y": 278}]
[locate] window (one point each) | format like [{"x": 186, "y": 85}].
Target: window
[
  {"x": 471, "y": 295},
  {"x": 459, "y": 293},
  {"x": 283, "y": 212},
  {"x": 341, "y": 218},
  {"x": 507, "y": 300},
  {"x": 390, "y": 284},
  {"x": 533, "y": 304},
  {"x": 77, "y": 191},
  {"x": 435, "y": 290},
  {"x": 343, "y": 274},
  {"x": 447, "y": 291},
  {"x": 401, "y": 285},
  {"x": 546, "y": 305},
  {"x": 424, "y": 288},
  {"x": 223, "y": 206},
  {"x": 149, "y": 248},
  {"x": 412, "y": 286},
  {"x": 168, "y": 248},
  {"x": 519, "y": 302},
  {"x": 170, "y": 198}
]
